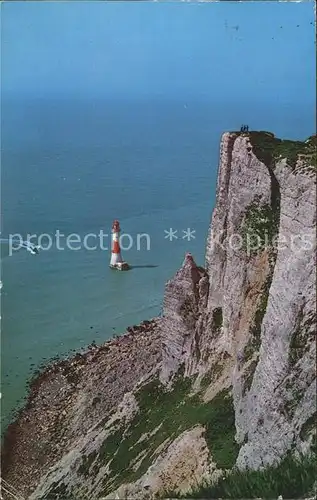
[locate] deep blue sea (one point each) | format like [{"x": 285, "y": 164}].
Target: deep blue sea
[{"x": 74, "y": 165}]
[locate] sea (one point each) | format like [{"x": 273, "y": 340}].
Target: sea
[{"x": 74, "y": 164}]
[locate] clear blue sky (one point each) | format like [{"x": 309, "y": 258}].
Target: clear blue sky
[{"x": 218, "y": 50}]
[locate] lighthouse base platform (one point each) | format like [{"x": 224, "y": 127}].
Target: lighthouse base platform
[{"x": 120, "y": 266}]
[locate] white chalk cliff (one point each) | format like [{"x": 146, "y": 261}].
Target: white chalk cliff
[{"x": 233, "y": 353}]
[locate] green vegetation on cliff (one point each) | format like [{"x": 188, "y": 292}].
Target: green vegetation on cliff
[
  {"x": 270, "y": 149},
  {"x": 292, "y": 478},
  {"x": 212, "y": 375},
  {"x": 163, "y": 415},
  {"x": 259, "y": 227},
  {"x": 301, "y": 337},
  {"x": 309, "y": 429}
]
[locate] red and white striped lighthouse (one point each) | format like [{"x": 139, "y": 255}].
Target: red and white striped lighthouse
[{"x": 116, "y": 261}]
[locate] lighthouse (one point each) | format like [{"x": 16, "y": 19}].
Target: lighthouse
[{"x": 116, "y": 261}]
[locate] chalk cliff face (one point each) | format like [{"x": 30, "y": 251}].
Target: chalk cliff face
[
  {"x": 230, "y": 374},
  {"x": 260, "y": 312},
  {"x": 184, "y": 302}
]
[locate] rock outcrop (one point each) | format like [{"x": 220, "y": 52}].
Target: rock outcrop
[
  {"x": 184, "y": 302},
  {"x": 226, "y": 376}
]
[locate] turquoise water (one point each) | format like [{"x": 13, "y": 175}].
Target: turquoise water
[{"x": 74, "y": 166}]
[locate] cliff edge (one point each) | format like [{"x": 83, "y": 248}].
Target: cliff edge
[{"x": 224, "y": 382}]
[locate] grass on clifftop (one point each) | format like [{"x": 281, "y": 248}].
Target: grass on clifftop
[
  {"x": 268, "y": 149},
  {"x": 291, "y": 478},
  {"x": 163, "y": 416}
]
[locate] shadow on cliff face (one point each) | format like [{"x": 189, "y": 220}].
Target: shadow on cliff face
[{"x": 149, "y": 266}]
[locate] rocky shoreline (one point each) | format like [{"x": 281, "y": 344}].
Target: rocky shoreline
[{"x": 40, "y": 435}]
